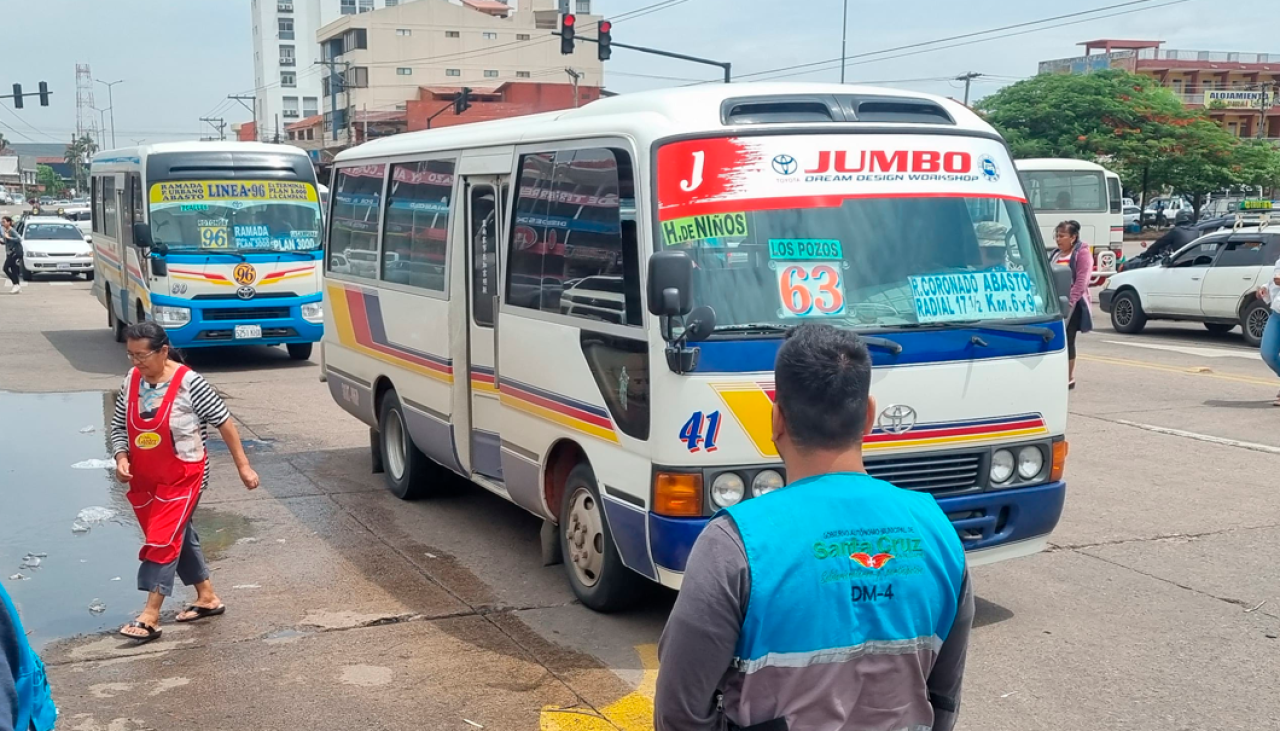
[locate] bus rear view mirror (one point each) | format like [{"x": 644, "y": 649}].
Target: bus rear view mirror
[
  {"x": 1062, "y": 279},
  {"x": 670, "y": 284},
  {"x": 142, "y": 235},
  {"x": 700, "y": 324}
]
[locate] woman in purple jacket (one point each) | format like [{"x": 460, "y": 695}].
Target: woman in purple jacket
[{"x": 1080, "y": 319}]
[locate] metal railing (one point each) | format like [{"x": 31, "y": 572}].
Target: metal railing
[{"x": 1170, "y": 54}]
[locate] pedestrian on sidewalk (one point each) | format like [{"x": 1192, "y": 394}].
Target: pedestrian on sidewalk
[
  {"x": 25, "y": 701},
  {"x": 1080, "y": 319},
  {"x": 839, "y": 602},
  {"x": 1270, "y": 345},
  {"x": 158, "y": 435},
  {"x": 12, "y": 254}
]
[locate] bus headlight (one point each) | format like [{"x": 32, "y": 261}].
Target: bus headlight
[
  {"x": 727, "y": 489},
  {"x": 171, "y": 317},
  {"x": 1002, "y": 466},
  {"x": 1030, "y": 462},
  {"x": 313, "y": 312},
  {"x": 765, "y": 482}
]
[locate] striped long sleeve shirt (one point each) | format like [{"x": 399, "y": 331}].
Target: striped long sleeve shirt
[{"x": 196, "y": 407}]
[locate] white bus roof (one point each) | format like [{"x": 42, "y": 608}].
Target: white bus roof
[
  {"x": 649, "y": 116},
  {"x": 1057, "y": 163},
  {"x": 135, "y": 154}
]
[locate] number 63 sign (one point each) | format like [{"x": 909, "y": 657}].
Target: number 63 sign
[{"x": 810, "y": 288}]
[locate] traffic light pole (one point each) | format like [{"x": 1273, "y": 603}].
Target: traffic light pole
[{"x": 725, "y": 65}]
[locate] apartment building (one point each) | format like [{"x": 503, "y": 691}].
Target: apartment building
[
  {"x": 1238, "y": 90},
  {"x": 285, "y": 52},
  {"x": 378, "y": 63}
]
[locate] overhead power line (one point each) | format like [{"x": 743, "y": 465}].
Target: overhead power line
[{"x": 827, "y": 64}]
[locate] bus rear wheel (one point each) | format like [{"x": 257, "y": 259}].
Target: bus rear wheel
[
  {"x": 407, "y": 471},
  {"x": 596, "y": 573},
  {"x": 298, "y": 351}
]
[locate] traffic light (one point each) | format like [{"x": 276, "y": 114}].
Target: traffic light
[
  {"x": 462, "y": 102},
  {"x": 17, "y": 96},
  {"x": 568, "y": 30},
  {"x": 44, "y": 93},
  {"x": 606, "y": 39}
]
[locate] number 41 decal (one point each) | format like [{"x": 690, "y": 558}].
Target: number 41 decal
[{"x": 695, "y": 437}]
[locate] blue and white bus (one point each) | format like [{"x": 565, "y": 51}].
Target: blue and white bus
[{"x": 219, "y": 242}]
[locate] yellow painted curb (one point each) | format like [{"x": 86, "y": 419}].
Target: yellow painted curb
[{"x": 632, "y": 712}]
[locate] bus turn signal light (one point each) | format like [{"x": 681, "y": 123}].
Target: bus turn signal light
[
  {"x": 1060, "y": 450},
  {"x": 677, "y": 495}
]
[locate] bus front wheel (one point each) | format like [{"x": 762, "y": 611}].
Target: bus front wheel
[
  {"x": 407, "y": 470},
  {"x": 298, "y": 351},
  {"x": 596, "y": 572}
]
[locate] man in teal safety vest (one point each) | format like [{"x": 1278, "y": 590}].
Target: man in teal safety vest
[
  {"x": 25, "y": 702},
  {"x": 837, "y": 602}
]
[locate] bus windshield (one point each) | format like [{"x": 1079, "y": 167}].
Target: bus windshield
[
  {"x": 862, "y": 232},
  {"x": 236, "y": 215}
]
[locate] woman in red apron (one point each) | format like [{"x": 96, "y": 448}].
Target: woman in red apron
[{"x": 158, "y": 436}]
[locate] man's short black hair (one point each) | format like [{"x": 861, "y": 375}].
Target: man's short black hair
[{"x": 823, "y": 380}]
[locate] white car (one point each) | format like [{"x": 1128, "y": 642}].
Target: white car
[
  {"x": 1212, "y": 280},
  {"x": 53, "y": 245},
  {"x": 82, "y": 217},
  {"x": 1132, "y": 215}
]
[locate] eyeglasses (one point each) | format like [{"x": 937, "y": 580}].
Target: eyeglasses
[{"x": 139, "y": 357}]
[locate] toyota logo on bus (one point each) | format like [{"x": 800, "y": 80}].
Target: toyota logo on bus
[{"x": 897, "y": 419}]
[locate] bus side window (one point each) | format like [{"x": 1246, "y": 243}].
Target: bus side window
[
  {"x": 126, "y": 211},
  {"x": 417, "y": 227},
  {"x": 353, "y": 232},
  {"x": 484, "y": 253},
  {"x": 95, "y": 204},
  {"x": 570, "y": 253}
]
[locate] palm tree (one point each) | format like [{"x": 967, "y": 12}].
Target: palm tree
[{"x": 77, "y": 157}]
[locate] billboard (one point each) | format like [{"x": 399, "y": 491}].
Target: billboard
[{"x": 1236, "y": 99}]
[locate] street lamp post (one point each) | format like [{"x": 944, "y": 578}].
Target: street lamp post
[
  {"x": 844, "y": 39},
  {"x": 111, "y": 104}
]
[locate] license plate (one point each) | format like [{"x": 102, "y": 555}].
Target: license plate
[
  {"x": 248, "y": 331},
  {"x": 64, "y": 266}
]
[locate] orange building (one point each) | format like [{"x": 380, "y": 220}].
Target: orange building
[{"x": 1239, "y": 90}]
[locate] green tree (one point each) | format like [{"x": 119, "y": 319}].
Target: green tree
[
  {"x": 49, "y": 178},
  {"x": 77, "y": 157},
  {"x": 1129, "y": 123}
]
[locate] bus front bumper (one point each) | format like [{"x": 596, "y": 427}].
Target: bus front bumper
[
  {"x": 231, "y": 322},
  {"x": 993, "y": 525}
]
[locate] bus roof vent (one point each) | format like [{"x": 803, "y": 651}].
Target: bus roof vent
[
  {"x": 902, "y": 110},
  {"x": 780, "y": 110}
]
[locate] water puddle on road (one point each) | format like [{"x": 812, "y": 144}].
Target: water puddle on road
[{"x": 64, "y": 572}]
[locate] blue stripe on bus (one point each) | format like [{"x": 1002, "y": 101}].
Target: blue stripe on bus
[{"x": 918, "y": 347}]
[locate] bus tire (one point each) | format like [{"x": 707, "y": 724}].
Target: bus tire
[
  {"x": 596, "y": 572},
  {"x": 298, "y": 351},
  {"x": 113, "y": 322},
  {"x": 407, "y": 471}
]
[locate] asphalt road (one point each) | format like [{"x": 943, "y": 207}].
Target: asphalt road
[{"x": 1158, "y": 606}]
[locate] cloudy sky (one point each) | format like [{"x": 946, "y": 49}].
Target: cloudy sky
[{"x": 179, "y": 59}]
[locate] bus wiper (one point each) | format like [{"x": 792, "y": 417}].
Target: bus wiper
[
  {"x": 763, "y": 327},
  {"x": 1045, "y": 333},
  {"x": 212, "y": 252},
  {"x": 303, "y": 254},
  {"x": 772, "y": 327}
]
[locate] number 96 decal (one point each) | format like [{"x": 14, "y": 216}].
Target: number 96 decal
[{"x": 810, "y": 289}]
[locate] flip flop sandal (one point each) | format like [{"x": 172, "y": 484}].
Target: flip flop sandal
[
  {"x": 202, "y": 612},
  {"x": 153, "y": 633}
]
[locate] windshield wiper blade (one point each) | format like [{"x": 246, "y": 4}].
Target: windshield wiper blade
[
  {"x": 764, "y": 327},
  {"x": 1044, "y": 333},
  {"x": 874, "y": 342}
]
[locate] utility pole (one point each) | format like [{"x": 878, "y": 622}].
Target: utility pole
[
  {"x": 1265, "y": 98},
  {"x": 333, "y": 92},
  {"x": 967, "y": 79},
  {"x": 257, "y": 134},
  {"x": 365, "y": 112},
  {"x": 111, "y": 105},
  {"x": 844, "y": 39},
  {"x": 221, "y": 125},
  {"x": 576, "y": 76}
]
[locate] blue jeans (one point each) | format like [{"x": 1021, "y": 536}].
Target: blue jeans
[{"x": 1270, "y": 346}]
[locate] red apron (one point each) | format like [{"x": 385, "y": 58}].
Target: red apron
[{"x": 164, "y": 489}]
